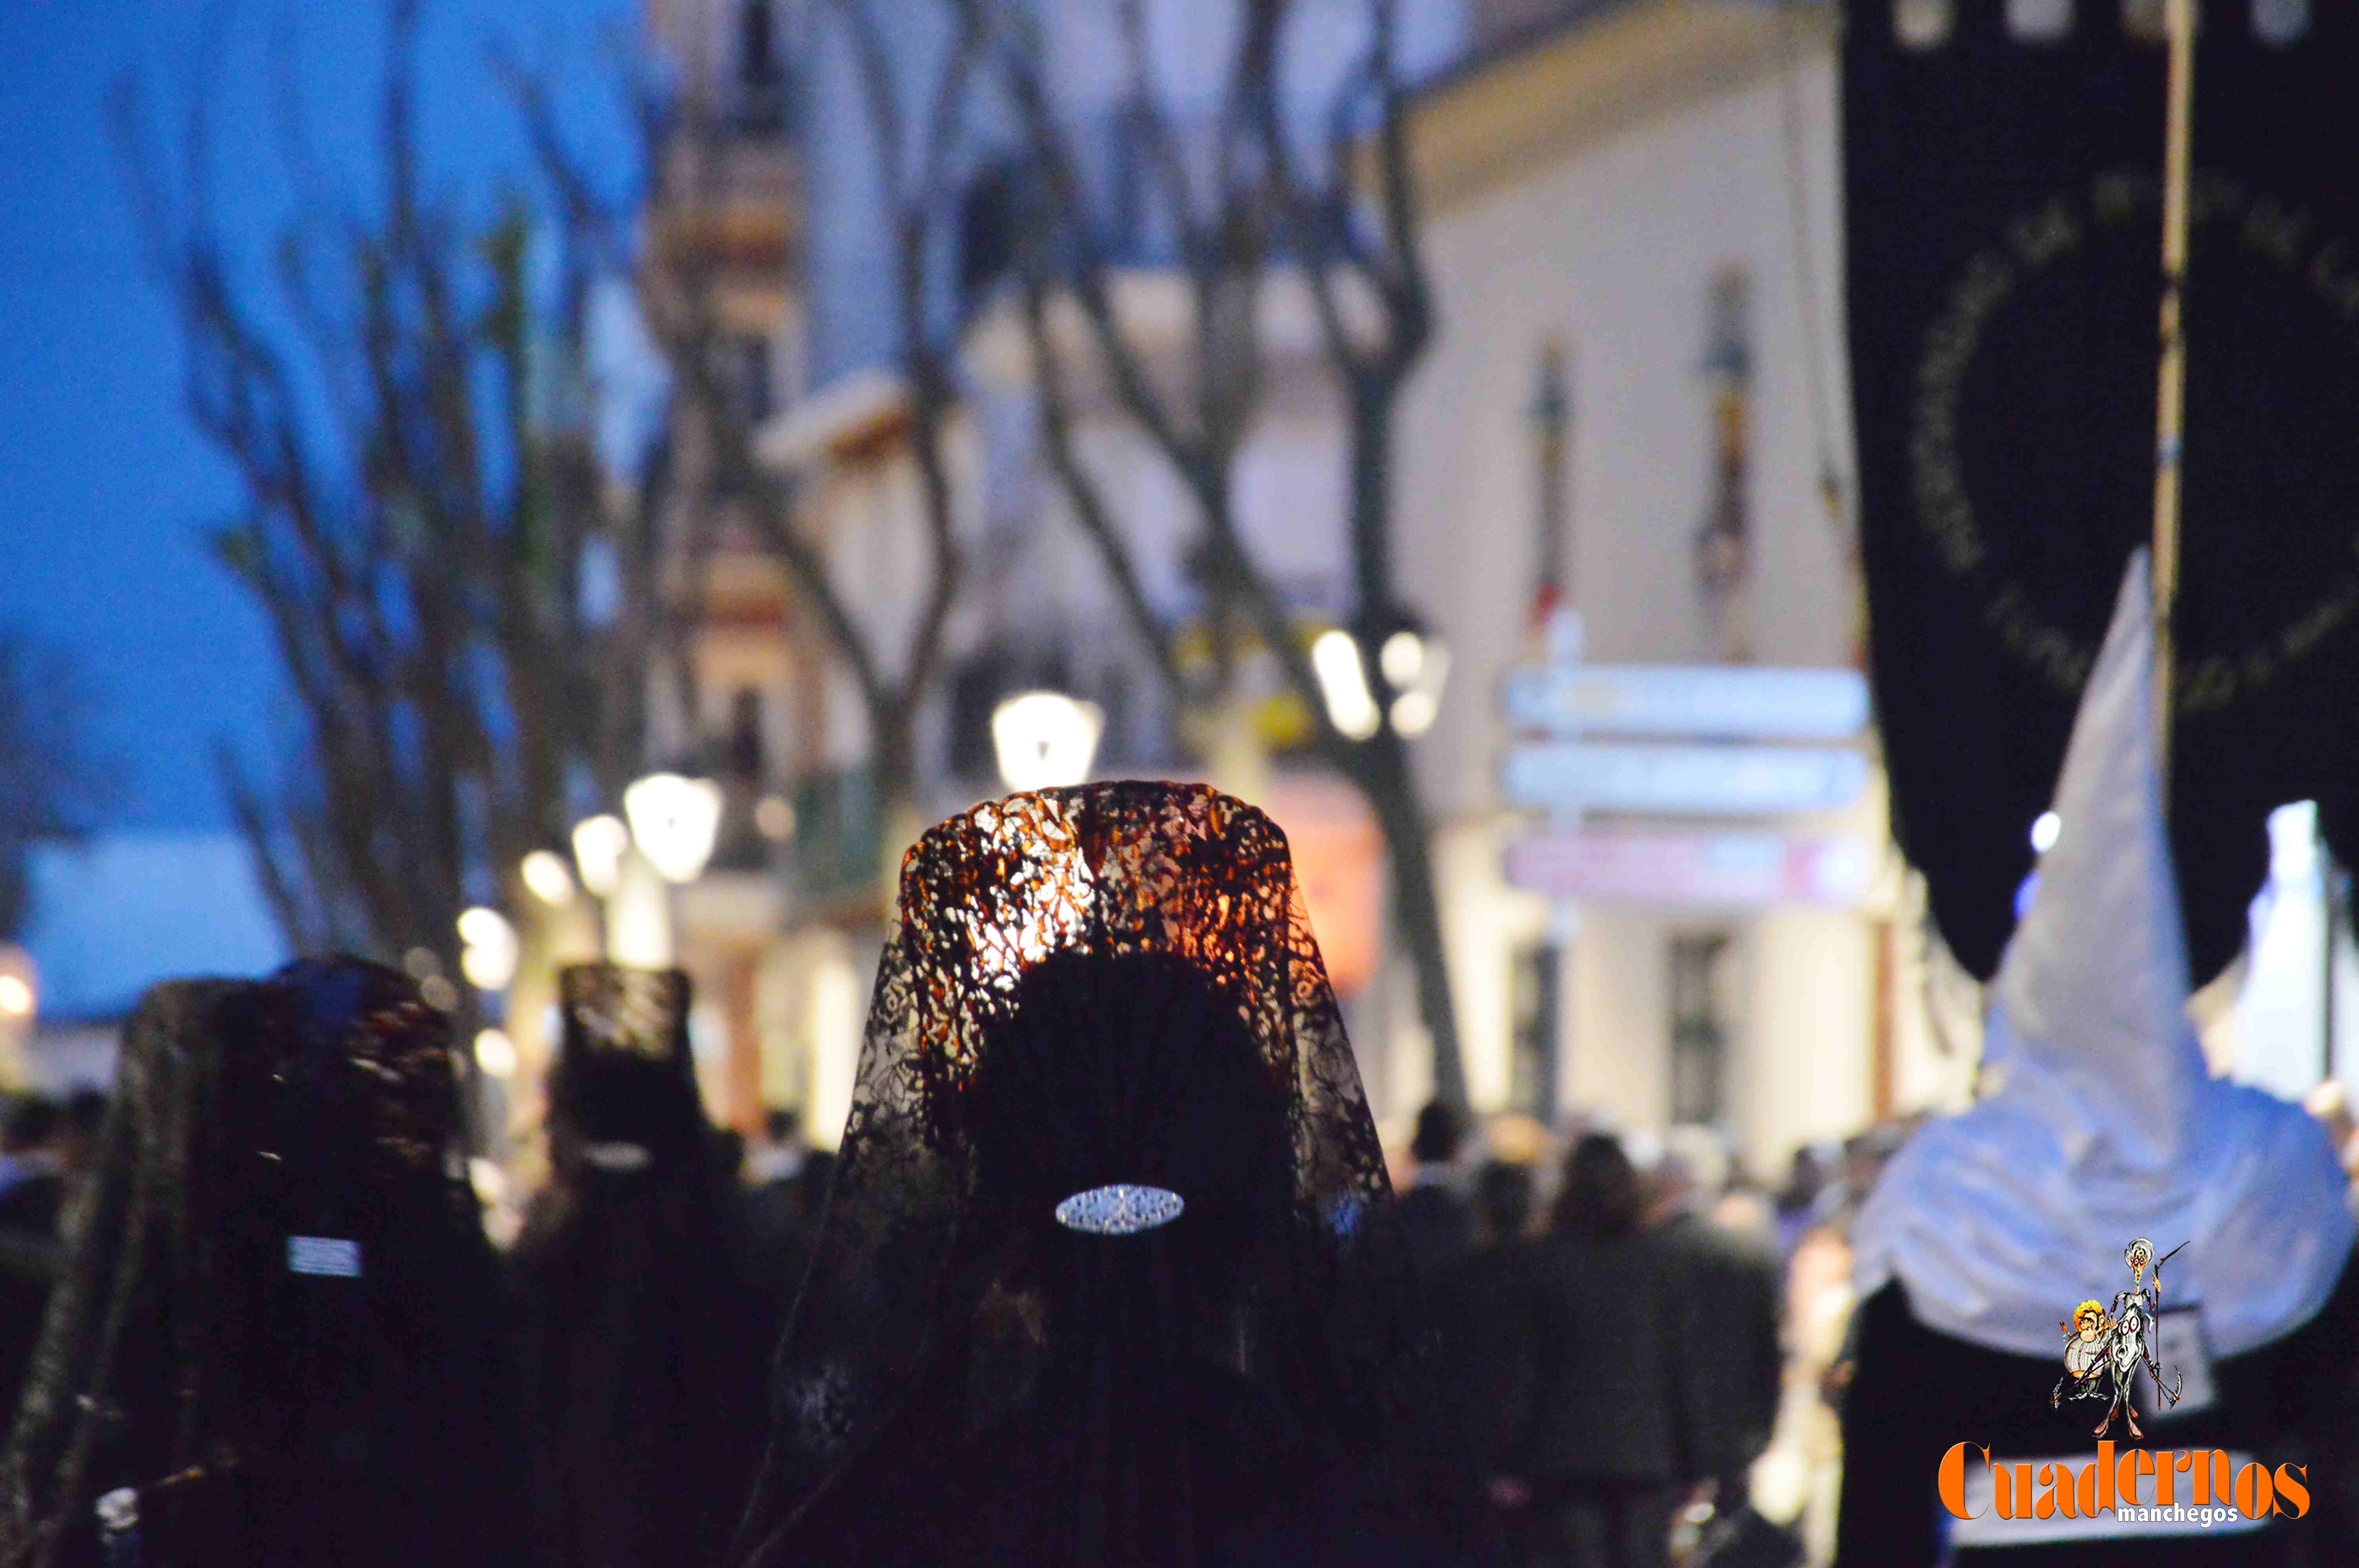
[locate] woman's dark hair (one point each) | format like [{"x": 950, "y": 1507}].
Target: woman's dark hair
[
  {"x": 1439, "y": 1134},
  {"x": 1600, "y": 1200},
  {"x": 1503, "y": 1197},
  {"x": 1134, "y": 1068},
  {"x": 31, "y": 1121},
  {"x": 642, "y": 1343},
  {"x": 281, "y": 1322},
  {"x": 623, "y": 1073}
]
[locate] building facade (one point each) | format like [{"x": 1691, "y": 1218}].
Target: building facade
[{"x": 1635, "y": 409}]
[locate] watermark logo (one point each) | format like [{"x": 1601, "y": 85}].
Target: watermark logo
[
  {"x": 2111, "y": 1354},
  {"x": 2198, "y": 1487},
  {"x": 2105, "y": 1351}
]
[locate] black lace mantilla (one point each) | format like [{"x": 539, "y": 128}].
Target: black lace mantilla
[
  {"x": 259, "y": 1403},
  {"x": 1054, "y": 1011}
]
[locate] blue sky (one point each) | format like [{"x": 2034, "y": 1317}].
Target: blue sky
[{"x": 104, "y": 488}]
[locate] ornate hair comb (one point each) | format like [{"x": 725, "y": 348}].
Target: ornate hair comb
[{"x": 1121, "y": 1210}]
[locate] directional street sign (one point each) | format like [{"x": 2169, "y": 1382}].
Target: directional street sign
[
  {"x": 1740, "y": 702},
  {"x": 1748, "y": 869},
  {"x": 1699, "y": 780}
]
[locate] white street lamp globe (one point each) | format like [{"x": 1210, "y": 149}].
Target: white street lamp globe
[
  {"x": 545, "y": 876},
  {"x": 1401, "y": 657},
  {"x": 598, "y": 847},
  {"x": 1045, "y": 740},
  {"x": 1343, "y": 684},
  {"x": 489, "y": 958},
  {"x": 496, "y": 1054},
  {"x": 20, "y": 991},
  {"x": 1417, "y": 667},
  {"x": 1413, "y": 713},
  {"x": 674, "y": 821}
]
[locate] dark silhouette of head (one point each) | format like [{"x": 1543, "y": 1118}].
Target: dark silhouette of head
[
  {"x": 1602, "y": 1198},
  {"x": 1503, "y": 1199},
  {"x": 79, "y": 1132},
  {"x": 1439, "y": 1134},
  {"x": 1130, "y": 1067},
  {"x": 31, "y": 1122},
  {"x": 624, "y": 1074}
]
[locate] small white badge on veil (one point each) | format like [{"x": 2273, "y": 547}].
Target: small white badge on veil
[
  {"x": 329, "y": 1255},
  {"x": 1122, "y": 1209}
]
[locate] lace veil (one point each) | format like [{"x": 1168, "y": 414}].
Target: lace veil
[
  {"x": 1113, "y": 984},
  {"x": 643, "y": 1352},
  {"x": 280, "y": 1311}
]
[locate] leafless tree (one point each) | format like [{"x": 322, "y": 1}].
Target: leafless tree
[
  {"x": 463, "y": 619},
  {"x": 51, "y": 782},
  {"x": 1344, "y": 219},
  {"x": 681, "y": 292}
]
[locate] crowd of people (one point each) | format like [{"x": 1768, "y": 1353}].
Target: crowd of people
[
  {"x": 1111, "y": 1268},
  {"x": 47, "y": 1150},
  {"x": 1643, "y": 1346}
]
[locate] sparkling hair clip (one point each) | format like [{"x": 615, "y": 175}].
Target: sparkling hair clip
[{"x": 1121, "y": 1210}]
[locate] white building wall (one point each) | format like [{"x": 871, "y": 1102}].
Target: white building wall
[
  {"x": 1615, "y": 246},
  {"x": 1614, "y": 243}
]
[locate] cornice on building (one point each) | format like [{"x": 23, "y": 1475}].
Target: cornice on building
[{"x": 1545, "y": 93}]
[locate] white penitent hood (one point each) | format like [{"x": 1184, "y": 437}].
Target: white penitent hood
[{"x": 2107, "y": 1124}]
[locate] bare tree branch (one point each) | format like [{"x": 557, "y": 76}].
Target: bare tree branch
[
  {"x": 1257, "y": 175},
  {"x": 1090, "y": 509},
  {"x": 420, "y": 570}
]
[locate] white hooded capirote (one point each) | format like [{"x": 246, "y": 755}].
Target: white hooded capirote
[{"x": 2105, "y": 1123}]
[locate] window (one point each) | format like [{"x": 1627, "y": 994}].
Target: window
[
  {"x": 1533, "y": 992},
  {"x": 753, "y": 372},
  {"x": 758, "y": 59},
  {"x": 1699, "y": 1026},
  {"x": 976, "y": 687},
  {"x": 744, "y": 754},
  {"x": 1922, "y": 24}
]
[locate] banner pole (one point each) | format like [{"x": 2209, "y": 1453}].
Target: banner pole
[{"x": 2171, "y": 388}]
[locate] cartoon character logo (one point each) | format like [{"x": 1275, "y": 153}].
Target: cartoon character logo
[{"x": 2103, "y": 1350}]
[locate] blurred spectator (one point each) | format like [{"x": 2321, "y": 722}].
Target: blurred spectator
[
  {"x": 79, "y": 1128},
  {"x": 1606, "y": 1443},
  {"x": 776, "y": 1152},
  {"x": 786, "y": 1189},
  {"x": 1485, "y": 1313},
  {"x": 1864, "y": 1157},
  {"x": 2330, "y": 1102},
  {"x": 1744, "y": 1212},
  {"x": 1434, "y": 1216},
  {"x": 1518, "y": 1139},
  {"x": 644, "y": 1348},
  {"x": 1796, "y": 1482},
  {"x": 31, "y": 1191},
  {"x": 1798, "y": 1204},
  {"x": 1726, "y": 1289},
  {"x": 28, "y": 1158},
  {"x": 729, "y": 1153}
]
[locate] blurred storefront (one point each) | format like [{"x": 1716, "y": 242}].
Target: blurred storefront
[
  {"x": 1634, "y": 413},
  {"x": 1637, "y": 411},
  {"x": 1634, "y": 409}
]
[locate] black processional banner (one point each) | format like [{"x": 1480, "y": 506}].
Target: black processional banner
[{"x": 2004, "y": 196}]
